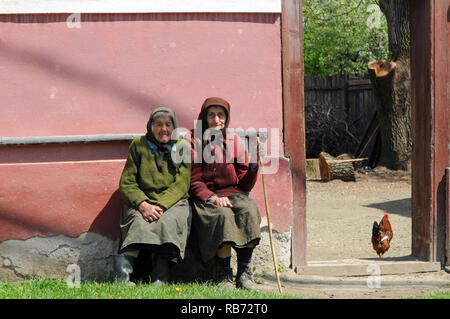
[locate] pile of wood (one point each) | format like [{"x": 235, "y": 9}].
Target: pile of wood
[{"x": 327, "y": 167}]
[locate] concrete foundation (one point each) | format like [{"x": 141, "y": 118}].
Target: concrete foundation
[
  {"x": 50, "y": 256},
  {"x": 93, "y": 253}
]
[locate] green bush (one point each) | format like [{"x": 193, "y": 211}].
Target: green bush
[{"x": 342, "y": 36}]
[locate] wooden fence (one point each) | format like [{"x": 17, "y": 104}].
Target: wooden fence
[{"x": 338, "y": 109}]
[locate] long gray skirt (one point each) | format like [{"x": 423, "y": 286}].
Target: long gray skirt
[
  {"x": 214, "y": 226},
  {"x": 172, "y": 228}
]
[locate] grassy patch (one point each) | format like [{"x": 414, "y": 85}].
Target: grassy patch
[
  {"x": 435, "y": 295},
  {"x": 58, "y": 289}
]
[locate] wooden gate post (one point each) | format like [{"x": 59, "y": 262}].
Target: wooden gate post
[
  {"x": 429, "y": 118},
  {"x": 447, "y": 214},
  {"x": 294, "y": 121}
]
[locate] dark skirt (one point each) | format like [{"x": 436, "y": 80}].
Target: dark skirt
[
  {"x": 214, "y": 226},
  {"x": 171, "y": 229}
]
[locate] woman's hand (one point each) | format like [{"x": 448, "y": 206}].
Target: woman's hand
[
  {"x": 150, "y": 212},
  {"x": 220, "y": 201}
]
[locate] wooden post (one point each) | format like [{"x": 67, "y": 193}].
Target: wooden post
[
  {"x": 447, "y": 214},
  {"x": 294, "y": 121},
  {"x": 430, "y": 117}
]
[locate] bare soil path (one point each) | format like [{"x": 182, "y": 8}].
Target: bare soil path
[{"x": 340, "y": 216}]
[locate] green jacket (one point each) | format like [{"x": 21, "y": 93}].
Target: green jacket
[{"x": 141, "y": 180}]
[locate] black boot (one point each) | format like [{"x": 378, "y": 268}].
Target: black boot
[
  {"x": 244, "y": 276},
  {"x": 224, "y": 273},
  {"x": 123, "y": 266},
  {"x": 160, "y": 269}
]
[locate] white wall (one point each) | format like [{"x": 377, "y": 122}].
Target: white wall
[{"x": 137, "y": 6}]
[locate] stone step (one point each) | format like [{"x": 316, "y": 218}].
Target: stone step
[{"x": 365, "y": 267}]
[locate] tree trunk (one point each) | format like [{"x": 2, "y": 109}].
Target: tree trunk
[
  {"x": 331, "y": 168},
  {"x": 391, "y": 81}
]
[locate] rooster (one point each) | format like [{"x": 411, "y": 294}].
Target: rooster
[{"x": 382, "y": 235}]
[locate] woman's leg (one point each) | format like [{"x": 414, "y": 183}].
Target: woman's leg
[
  {"x": 244, "y": 276},
  {"x": 224, "y": 251},
  {"x": 225, "y": 272},
  {"x": 124, "y": 264},
  {"x": 160, "y": 268}
]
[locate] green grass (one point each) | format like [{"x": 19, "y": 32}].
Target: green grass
[
  {"x": 58, "y": 289},
  {"x": 436, "y": 295}
]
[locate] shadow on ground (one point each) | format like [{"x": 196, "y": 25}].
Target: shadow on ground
[{"x": 400, "y": 207}]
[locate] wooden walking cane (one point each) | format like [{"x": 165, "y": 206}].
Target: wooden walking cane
[{"x": 266, "y": 200}]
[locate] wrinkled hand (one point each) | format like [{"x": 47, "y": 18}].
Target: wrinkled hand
[
  {"x": 150, "y": 212},
  {"x": 220, "y": 201}
]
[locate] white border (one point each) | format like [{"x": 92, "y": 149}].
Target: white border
[{"x": 138, "y": 6}]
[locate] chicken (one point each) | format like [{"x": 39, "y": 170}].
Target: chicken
[{"x": 382, "y": 235}]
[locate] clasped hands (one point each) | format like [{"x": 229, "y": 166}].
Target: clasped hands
[{"x": 150, "y": 212}]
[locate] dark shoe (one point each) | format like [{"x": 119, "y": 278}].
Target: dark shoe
[
  {"x": 160, "y": 269},
  {"x": 224, "y": 277},
  {"x": 123, "y": 266},
  {"x": 244, "y": 278}
]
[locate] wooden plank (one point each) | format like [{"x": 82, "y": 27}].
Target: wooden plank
[
  {"x": 293, "y": 88},
  {"x": 421, "y": 122},
  {"x": 441, "y": 133},
  {"x": 447, "y": 214},
  {"x": 312, "y": 169},
  {"x": 430, "y": 118},
  {"x": 347, "y": 160},
  {"x": 361, "y": 87},
  {"x": 359, "y": 82}
]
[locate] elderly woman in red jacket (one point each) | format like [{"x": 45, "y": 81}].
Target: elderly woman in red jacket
[{"x": 221, "y": 178}]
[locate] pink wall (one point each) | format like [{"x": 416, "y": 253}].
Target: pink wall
[{"x": 105, "y": 78}]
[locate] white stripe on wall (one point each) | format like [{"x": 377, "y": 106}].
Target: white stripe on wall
[{"x": 137, "y": 6}]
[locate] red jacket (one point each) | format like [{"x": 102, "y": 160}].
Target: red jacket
[{"x": 219, "y": 176}]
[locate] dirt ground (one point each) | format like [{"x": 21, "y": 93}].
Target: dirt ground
[{"x": 340, "y": 216}]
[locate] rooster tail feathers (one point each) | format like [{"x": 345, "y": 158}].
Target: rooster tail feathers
[{"x": 376, "y": 229}]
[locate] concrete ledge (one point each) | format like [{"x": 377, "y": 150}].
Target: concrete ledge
[
  {"x": 365, "y": 267},
  {"x": 68, "y": 139}
]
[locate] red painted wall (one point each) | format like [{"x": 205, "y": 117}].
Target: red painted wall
[{"x": 105, "y": 77}]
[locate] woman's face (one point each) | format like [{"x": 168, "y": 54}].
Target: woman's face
[
  {"x": 162, "y": 128},
  {"x": 216, "y": 117}
]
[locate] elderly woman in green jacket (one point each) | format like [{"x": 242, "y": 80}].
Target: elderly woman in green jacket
[{"x": 155, "y": 186}]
